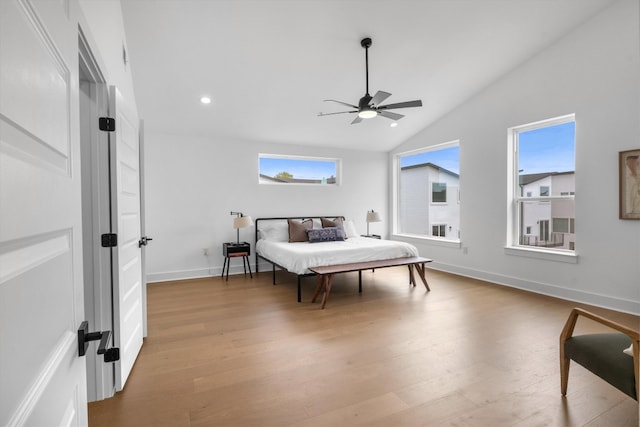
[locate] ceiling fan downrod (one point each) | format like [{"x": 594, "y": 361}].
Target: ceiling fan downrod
[{"x": 366, "y": 44}]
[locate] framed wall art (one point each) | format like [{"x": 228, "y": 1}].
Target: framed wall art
[{"x": 629, "y": 170}]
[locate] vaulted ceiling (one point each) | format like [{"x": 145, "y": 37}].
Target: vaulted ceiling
[{"x": 269, "y": 64}]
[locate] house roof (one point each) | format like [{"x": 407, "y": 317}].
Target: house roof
[
  {"x": 533, "y": 177},
  {"x": 431, "y": 165}
]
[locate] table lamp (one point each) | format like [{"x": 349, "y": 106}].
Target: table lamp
[
  {"x": 240, "y": 221},
  {"x": 372, "y": 217}
]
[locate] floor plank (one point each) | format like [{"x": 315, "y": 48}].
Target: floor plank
[{"x": 468, "y": 353}]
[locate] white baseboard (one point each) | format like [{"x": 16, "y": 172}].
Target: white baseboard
[
  {"x": 167, "y": 276},
  {"x": 599, "y": 300}
]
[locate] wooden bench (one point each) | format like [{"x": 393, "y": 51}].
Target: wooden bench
[{"x": 326, "y": 273}]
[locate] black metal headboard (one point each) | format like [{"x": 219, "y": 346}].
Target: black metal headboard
[{"x": 302, "y": 218}]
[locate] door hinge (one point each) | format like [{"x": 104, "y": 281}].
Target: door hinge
[
  {"x": 109, "y": 240},
  {"x": 107, "y": 124}
]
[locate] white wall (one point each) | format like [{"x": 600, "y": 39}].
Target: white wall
[
  {"x": 193, "y": 183},
  {"x": 103, "y": 26},
  {"x": 594, "y": 73}
]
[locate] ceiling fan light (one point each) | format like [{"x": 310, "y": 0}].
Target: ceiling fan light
[{"x": 367, "y": 114}]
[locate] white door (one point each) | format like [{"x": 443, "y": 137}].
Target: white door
[
  {"x": 42, "y": 378},
  {"x": 127, "y": 275}
]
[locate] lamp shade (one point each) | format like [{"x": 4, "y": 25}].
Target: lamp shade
[
  {"x": 373, "y": 216},
  {"x": 242, "y": 222}
]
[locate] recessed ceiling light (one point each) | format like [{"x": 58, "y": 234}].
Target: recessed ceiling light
[
  {"x": 394, "y": 124},
  {"x": 205, "y": 100}
]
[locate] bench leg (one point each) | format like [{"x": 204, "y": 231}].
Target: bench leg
[
  {"x": 412, "y": 279},
  {"x": 319, "y": 287},
  {"x": 420, "y": 268},
  {"x": 328, "y": 281},
  {"x": 360, "y": 281}
]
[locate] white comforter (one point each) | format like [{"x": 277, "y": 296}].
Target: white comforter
[{"x": 298, "y": 257}]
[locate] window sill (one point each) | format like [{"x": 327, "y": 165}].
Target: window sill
[
  {"x": 544, "y": 254},
  {"x": 430, "y": 240}
]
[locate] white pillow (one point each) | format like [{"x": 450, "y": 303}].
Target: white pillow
[
  {"x": 275, "y": 232},
  {"x": 629, "y": 350},
  {"x": 350, "y": 229}
]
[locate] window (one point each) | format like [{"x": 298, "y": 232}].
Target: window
[
  {"x": 563, "y": 225},
  {"x": 543, "y": 164},
  {"x": 439, "y": 230},
  {"x": 439, "y": 192},
  {"x": 277, "y": 169},
  {"x": 428, "y": 192}
]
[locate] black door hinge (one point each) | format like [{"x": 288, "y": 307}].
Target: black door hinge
[
  {"x": 109, "y": 240},
  {"x": 107, "y": 124}
]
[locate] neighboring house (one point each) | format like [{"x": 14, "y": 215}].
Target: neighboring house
[
  {"x": 429, "y": 202},
  {"x": 548, "y": 223},
  {"x": 270, "y": 179}
]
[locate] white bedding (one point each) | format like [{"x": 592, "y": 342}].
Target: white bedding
[{"x": 298, "y": 257}]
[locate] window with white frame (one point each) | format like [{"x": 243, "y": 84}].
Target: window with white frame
[
  {"x": 439, "y": 230},
  {"x": 543, "y": 182},
  {"x": 427, "y": 192},
  {"x": 282, "y": 169}
]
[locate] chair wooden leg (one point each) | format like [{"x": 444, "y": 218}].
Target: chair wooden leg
[{"x": 564, "y": 373}]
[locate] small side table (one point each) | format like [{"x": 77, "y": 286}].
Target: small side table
[{"x": 235, "y": 250}]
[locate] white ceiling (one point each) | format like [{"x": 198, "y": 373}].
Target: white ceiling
[{"x": 268, "y": 64}]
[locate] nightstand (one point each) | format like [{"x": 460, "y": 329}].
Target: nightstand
[
  {"x": 235, "y": 250},
  {"x": 372, "y": 236}
]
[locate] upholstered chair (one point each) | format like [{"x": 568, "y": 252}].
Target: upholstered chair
[{"x": 602, "y": 353}]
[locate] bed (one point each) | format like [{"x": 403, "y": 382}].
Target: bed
[{"x": 273, "y": 245}]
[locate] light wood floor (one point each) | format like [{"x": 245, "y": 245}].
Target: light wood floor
[{"x": 468, "y": 353}]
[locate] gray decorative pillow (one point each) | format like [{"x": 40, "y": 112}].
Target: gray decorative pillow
[
  {"x": 298, "y": 230},
  {"x": 329, "y": 234}
]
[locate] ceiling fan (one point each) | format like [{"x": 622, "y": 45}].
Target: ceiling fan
[{"x": 368, "y": 106}]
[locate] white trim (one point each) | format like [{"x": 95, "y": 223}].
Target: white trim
[
  {"x": 449, "y": 144},
  {"x": 539, "y": 253},
  {"x": 396, "y": 169},
  {"x": 66, "y": 344},
  {"x": 429, "y": 240},
  {"x": 336, "y": 161},
  {"x": 32, "y": 254},
  {"x": 598, "y": 300},
  {"x": 514, "y": 199}
]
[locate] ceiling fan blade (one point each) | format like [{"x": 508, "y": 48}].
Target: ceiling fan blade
[
  {"x": 379, "y": 97},
  {"x": 340, "y": 102},
  {"x": 339, "y": 112},
  {"x": 390, "y": 115},
  {"x": 358, "y": 119},
  {"x": 416, "y": 103}
]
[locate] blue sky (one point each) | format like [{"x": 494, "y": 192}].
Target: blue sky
[
  {"x": 548, "y": 149},
  {"x": 299, "y": 168},
  {"x": 448, "y": 158}
]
